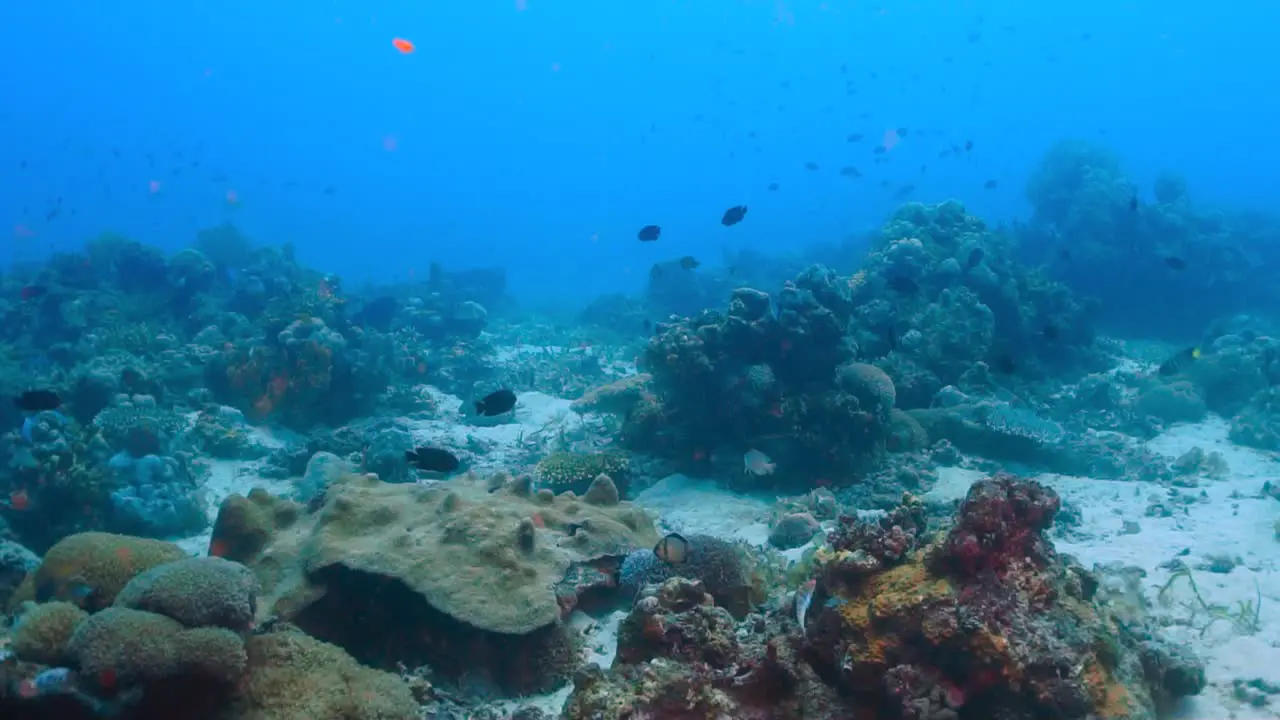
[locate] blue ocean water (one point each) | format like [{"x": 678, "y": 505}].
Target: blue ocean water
[{"x": 539, "y": 135}]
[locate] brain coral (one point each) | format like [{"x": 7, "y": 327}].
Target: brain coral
[
  {"x": 198, "y": 592},
  {"x": 125, "y": 647},
  {"x": 490, "y": 560},
  {"x": 42, "y": 633},
  {"x": 92, "y": 567}
]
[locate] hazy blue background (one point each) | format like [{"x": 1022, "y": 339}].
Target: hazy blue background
[{"x": 516, "y": 136}]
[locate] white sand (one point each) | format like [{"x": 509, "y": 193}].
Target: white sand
[{"x": 1231, "y": 519}]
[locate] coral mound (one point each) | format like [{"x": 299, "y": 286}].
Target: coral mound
[{"x": 986, "y": 621}]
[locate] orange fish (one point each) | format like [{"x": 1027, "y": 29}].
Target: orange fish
[{"x": 403, "y": 45}]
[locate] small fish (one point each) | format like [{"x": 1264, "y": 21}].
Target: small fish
[
  {"x": 904, "y": 285},
  {"x": 38, "y": 400},
  {"x": 404, "y": 46},
  {"x": 649, "y": 233},
  {"x": 672, "y": 549},
  {"x": 377, "y": 313},
  {"x": 811, "y": 165},
  {"x": 902, "y": 132},
  {"x": 975, "y": 257},
  {"x": 1133, "y": 203},
  {"x": 773, "y": 187},
  {"x": 757, "y": 463},
  {"x": 850, "y": 171},
  {"x": 1064, "y": 254},
  {"x": 733, "y": 215},
  {"x": 432, "y": 459},
  {"x": 991, "y": 184},
  {"x": 804, "y": 598},
  {"x": 1049, "y": 332},
  {"x": 1176, "y": 263},
  {"x": 689, "y": 262},
  {"x": 53, "y": 681},
  {"x": 31, "y": 292},
  {"x": 854, "y": 137},
  {"x": 1179, "y": 362},
  {"x": 968, "y": 145},
  {"x": 496, "y": 403}
]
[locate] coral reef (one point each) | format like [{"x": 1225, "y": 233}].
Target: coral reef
[{"x": 456, "y": 563}]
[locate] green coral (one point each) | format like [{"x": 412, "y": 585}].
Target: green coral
[
  {"x": 294, "y": 676},
  {"x": 42, "y": 633},
  {"x": 93, "y": 567},
  {"x": 198, "y": 592},
  {"x": 123, "y": 647},
  {"x": 566, "y": 471}
]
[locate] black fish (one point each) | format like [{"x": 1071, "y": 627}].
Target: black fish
[
  {"x": 975, "y": 257},
  {"x": 968, "y": 145},
  {"x": 1179, "y": 362},
  {"x": 991, "y": 184},
  {"x": 496, "y": 403},
  {"x": 902, "y": 132},
  {"x": 1176, "y": 263},
  {"x": 1049, "y": 332},
  {"x": 733, "y": 215},
  {"x": 377, "y": 313},
  {"x": 1133, "y": 203},
  {"x": 432, "y": 459},
  {"x": 854, "y": 137},
  {"x": 38, "y": 400},
  {"x": 1064, "y": 254},
  {"x": 811, "y": 166},
  {"x": 880, "y": 150},
  {"x": 904, "y": 285},
  {"x": 773, "y": 186},
  {"x": 850, "y": 171},
  {"x": 649, "y": 233},
  {"x": 689, "y": 262}
]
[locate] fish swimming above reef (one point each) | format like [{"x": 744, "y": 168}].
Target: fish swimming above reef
[
  {"x": 757, "y": 463},
  {"x": 38, "y": 400},
  {"x": 1180, "y": 362},
  {"x": 689, "y": 262},
  {"x": 804, "y": 598},
  {"x": 432, "y": 459},
  {"x": 975, "y": 257},
  {"x": 733, "y": 215},
  {"x": 496, "y": 403},
  {"x": 649, "y": 233},
  {"x": 672, "y": 549}
]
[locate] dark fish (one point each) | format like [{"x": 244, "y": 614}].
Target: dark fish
[
  {"x": 377, "y": 313},
  {"x": 1049, "y": 332},
  {"x": 432, "y": 459},
  {"x": 689, "y": 262},
  {"x": 991, "y": 184},
  {"x": 902, "y": 132},
  {"x": 811, "y": 165},
  {"x": 854, "y": 137},
  {"x": 1004, "y": 364},
  {"x": 904, "y": 285},
  {"x": 850, "y": 171},
  {"x": 649, "y": 233},
  {"x": 905, "y": 191},
  {"x": 1064, "y": 254},
  {"x": 1179, "y": 362},
  {"x": 38, "y": 401},
  {"x": 975, "y": 257},
  {"x": 773, "y": 187},
  {"x": 733, "y": 215},
  {"x": 1133, "y": 203},
  {"x": 496, "y": 403},
  {"x": 1176, "y": 263},
  {"x": 880, "y": 150},
  {"x": 672, "y": 549},
  {"x": 31, "y": 292},
  {"x": 968, "y": 145}
]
